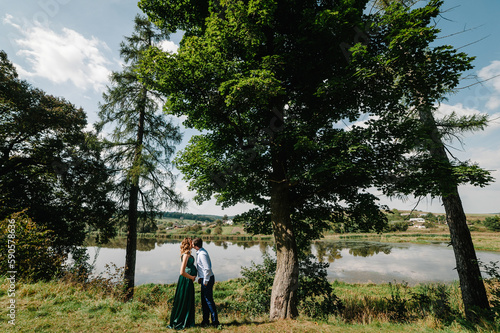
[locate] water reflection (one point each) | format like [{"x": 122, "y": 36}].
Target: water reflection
[
  {"x": 332, "y": 250},
  {"x": 158, "y": 261}
]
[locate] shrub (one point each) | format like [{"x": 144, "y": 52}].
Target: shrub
[
  {"x": 315, "y": 294},
  {"x": 397, "y": 226},
  {"x": 259, "y": 285},
  {"x": 493, "y": 285},
  {"x": 492, "y": 223},
  {"x": 435, "y": 300},
  {"x": 429, "y": 225},
  {"x": 397, "y": 304},
  {"x": 27, "y": 248}
]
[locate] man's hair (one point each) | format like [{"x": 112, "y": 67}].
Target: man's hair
[{"x": 198, "y": 242}]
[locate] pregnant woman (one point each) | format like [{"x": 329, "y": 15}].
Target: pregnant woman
[{"x": 182, "y": 315}]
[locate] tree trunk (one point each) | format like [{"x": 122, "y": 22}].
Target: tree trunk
[
  {"x": 469, "y": 274},
  {"x": 284, "y": 293},
  {"x": 130, "y": 254}
]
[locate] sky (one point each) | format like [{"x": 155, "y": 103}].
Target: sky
[{"x": 68, "y": 48}]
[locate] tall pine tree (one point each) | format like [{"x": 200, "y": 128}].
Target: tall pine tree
[{"x": 141, "y": 144}]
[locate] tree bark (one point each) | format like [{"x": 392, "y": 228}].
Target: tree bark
[
  {"x": 130, "y": 255},
  {"x": 284, "y": 292},
  {"x": 469, "y": 274}
]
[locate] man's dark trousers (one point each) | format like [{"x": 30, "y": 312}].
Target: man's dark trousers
[{"x": 208, "y": 304}]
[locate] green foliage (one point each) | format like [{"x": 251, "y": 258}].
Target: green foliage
[
  {"x": 398, "y": 304},
  {"x": 492, "y": 223},
  {"x": 263, "y": 82},
  {"x": 405, "y": 305},
  {"x": 429, "y": 224},
  {"x": 397, "y": 226},
  {"x": 433, "y": 300},
  {"x": 218, "y": 230},
  {"x": 492, "y": 270},
  {"x": 258, "y": 285},
  {"x": 50, "y": 164},
  {"x": 187, "y": 216},
  {"x": 315, "y": 294},
  {"x": 28, "y": 249},
  {"x": 142, "y": 141},
  {"x": 195, "y": 228},
  {"x": 147, "y": 224},
  {"x": 276, "y": 89},
  {"x": 411, "y": 70}
]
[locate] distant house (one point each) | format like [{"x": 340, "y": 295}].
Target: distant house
[
  {"x": 229, "y": 222},
  {"x": 417, "y": 222}
]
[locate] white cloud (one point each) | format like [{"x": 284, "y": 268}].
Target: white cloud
[
  {"x": 489, "y": 72},
  {"x": 491, "y": 75},
  {"x": 168, "y": 46},
  {"x": 62, "y": 57}
]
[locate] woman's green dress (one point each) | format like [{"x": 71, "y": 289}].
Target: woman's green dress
[{"x": 182, "y": 315}]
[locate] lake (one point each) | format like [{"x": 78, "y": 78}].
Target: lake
[{"x": 158, "y": 261}]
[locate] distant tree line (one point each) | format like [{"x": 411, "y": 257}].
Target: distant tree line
[{"x": 187, "y": 216}]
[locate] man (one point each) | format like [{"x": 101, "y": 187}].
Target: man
[{"x": 206, "y": 279}]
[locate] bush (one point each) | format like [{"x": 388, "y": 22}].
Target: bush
[
  {"x": 397, "y": 226},
  {"x": 218, "y": 230},
  {"x": 426, "y": 300},
  {"x": 259, "y": 285},
  {"x": 429, "y": 225},
  {"x": 493, "y": 285},
  {"x": 315, "y": 294},
  {"x": 435, "y": 300},
  {"x": 27, "y": 248},
  {"x": 492, "y": 223}
]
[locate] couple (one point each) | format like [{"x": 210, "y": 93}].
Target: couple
[{"x": 183, "y": 310}]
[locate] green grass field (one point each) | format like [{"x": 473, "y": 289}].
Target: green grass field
[{"x": 65, "y": 306}]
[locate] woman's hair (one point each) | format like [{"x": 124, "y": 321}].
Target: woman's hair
[{"x": 186, "y": 246}]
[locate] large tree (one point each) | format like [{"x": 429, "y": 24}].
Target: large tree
[
  {"x": 49, "y": 164},
  {"x": 141, "y": 143},
  {"x": 421, "y": 74},
  {"x": 270, "y": 86},
  {"x": 276, "y": 88}
]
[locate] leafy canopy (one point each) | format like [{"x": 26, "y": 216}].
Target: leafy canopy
[{"x": 49, "y": 164}]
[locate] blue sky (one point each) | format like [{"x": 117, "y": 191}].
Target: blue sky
[{"x": 69, "y": 47}]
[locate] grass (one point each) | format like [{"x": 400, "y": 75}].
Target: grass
[{"x": 68, "y": 306}]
